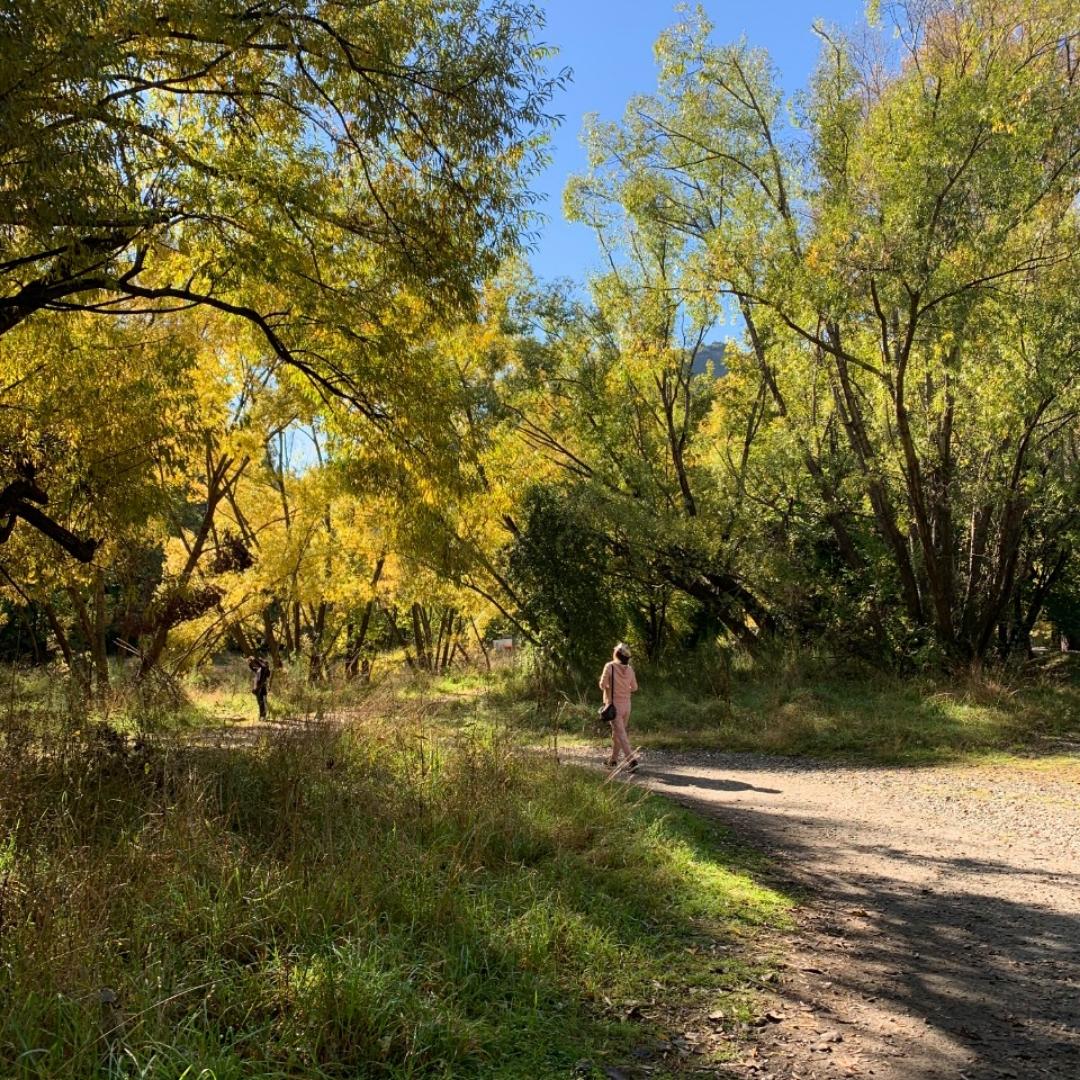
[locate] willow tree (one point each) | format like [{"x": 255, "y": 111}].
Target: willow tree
[
  {"x": 902, "y": 266},
  {"x": 102, "y": 415},
  {"x": 300, "y": 167},
  {"x": 613, "y": 397}
]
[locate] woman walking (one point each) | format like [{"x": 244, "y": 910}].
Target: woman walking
[{"x": 618, "y": 682}]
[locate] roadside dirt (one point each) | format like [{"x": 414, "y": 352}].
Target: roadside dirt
[{"x": 939, "y": 936}]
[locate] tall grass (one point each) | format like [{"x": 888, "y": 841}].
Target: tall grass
[
  {"x": 795, "y": 701},
  {"x": 342, "y": 901}
]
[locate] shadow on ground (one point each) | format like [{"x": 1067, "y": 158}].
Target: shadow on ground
[{"x": 975, "y": 960}]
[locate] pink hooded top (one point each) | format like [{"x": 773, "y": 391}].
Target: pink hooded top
[{"x": 625, "y": 685}]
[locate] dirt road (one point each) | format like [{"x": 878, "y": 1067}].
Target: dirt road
[{"x": 940, "y": 933}]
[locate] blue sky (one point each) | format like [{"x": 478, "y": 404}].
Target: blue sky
[{"x": 609, "y": 44}]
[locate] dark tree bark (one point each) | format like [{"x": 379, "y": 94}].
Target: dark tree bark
[
  {"x": 18, "y": 499},
  {"x": 421, "y": 637},
  {"x": 218, "y": 483},
  {"x": 317, "y": 661},
  {"x": 271, "y": 638},
  {"x": 359, "y": 637},
  {"x": 62, "y": 641}
]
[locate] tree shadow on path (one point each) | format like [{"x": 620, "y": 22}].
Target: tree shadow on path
[{"x": 937, "y": 963}]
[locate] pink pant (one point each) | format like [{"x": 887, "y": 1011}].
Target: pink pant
[{"x": 620, "y": 742}]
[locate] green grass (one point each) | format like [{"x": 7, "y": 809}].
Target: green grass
[
  {"x": 914, "y": 721},
  {"x": 368, "y": 901},
  {"x": 411, "y": 894},
  {"x": 822, "y": 711}
]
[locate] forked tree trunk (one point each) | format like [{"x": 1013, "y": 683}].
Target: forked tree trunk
[
  {"x": 218, "y": 483},
  {"x": 480, "y": 642},
  {"x": 358, "y": 639},
  {"x": 62, "y": 641}
]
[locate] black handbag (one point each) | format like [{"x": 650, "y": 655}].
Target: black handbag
[{"x": 608, "y": 712}]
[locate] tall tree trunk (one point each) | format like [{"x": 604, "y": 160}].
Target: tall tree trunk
[
  {"x": 421, "y": 637},
  {"x": 978, "y": 533},
  {"x": 356, "y": 642},
  {"x": 286, "y": 630},
  {"x": 444, "y": 634},
  {"x": 939, "y": 582},
  {"x": 850, "y": 412},
  {"x": 61, "y": 637},
  {"x": 240, "y": 641},
  {"x": 317, "y": 665},
  {"x": 97, "y": 644},
  {"x": 352, "y": 649},
  {"x": 217, "y": 484},
  {"x": 1010, "y": 535},
  {"x": 451, "y": 636},
  {"x": 480, "y": 642}
]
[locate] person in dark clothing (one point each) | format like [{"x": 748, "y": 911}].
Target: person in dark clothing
[{"x": 260, "y": 683}]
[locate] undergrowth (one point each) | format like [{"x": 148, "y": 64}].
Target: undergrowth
[
  {"x": 361, "y": 901},
  {"x": 816, "y": 706}
]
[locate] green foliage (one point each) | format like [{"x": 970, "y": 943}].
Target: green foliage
[
  {"x": 1063, "y": 609},
  {"x": 895, "y": 448},
  {"x": 287, "y": 145},
  {"x": 260, "y": 194},
  {"x": 348, "y": 420},
  {"x": 563, "y": 573}
]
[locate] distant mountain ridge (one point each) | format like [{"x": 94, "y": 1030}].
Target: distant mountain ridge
[{"x": 712, "y": 352}]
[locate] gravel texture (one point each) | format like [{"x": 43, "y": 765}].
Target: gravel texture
[{"x": 939, "y": 927}]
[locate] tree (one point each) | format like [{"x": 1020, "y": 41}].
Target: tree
[
  {"x": 303, "y": 168},
  {"x": 903, "y": 286},
  {"x": 100, "y": 412},
  {"x": 561, "y": 567}
]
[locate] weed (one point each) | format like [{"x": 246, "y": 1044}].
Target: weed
[
  {"x": 370, "y": 899},
  {"x": 791, "y": 703}
]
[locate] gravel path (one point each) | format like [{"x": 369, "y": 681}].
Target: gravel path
[{"x": 940, "y": 934}]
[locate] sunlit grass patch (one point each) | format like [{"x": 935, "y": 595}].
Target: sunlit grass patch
[
  {"x": 347, "y": 902},
  {"x": 883, "y": 719},
  {"x": 818, "y": 709}
]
